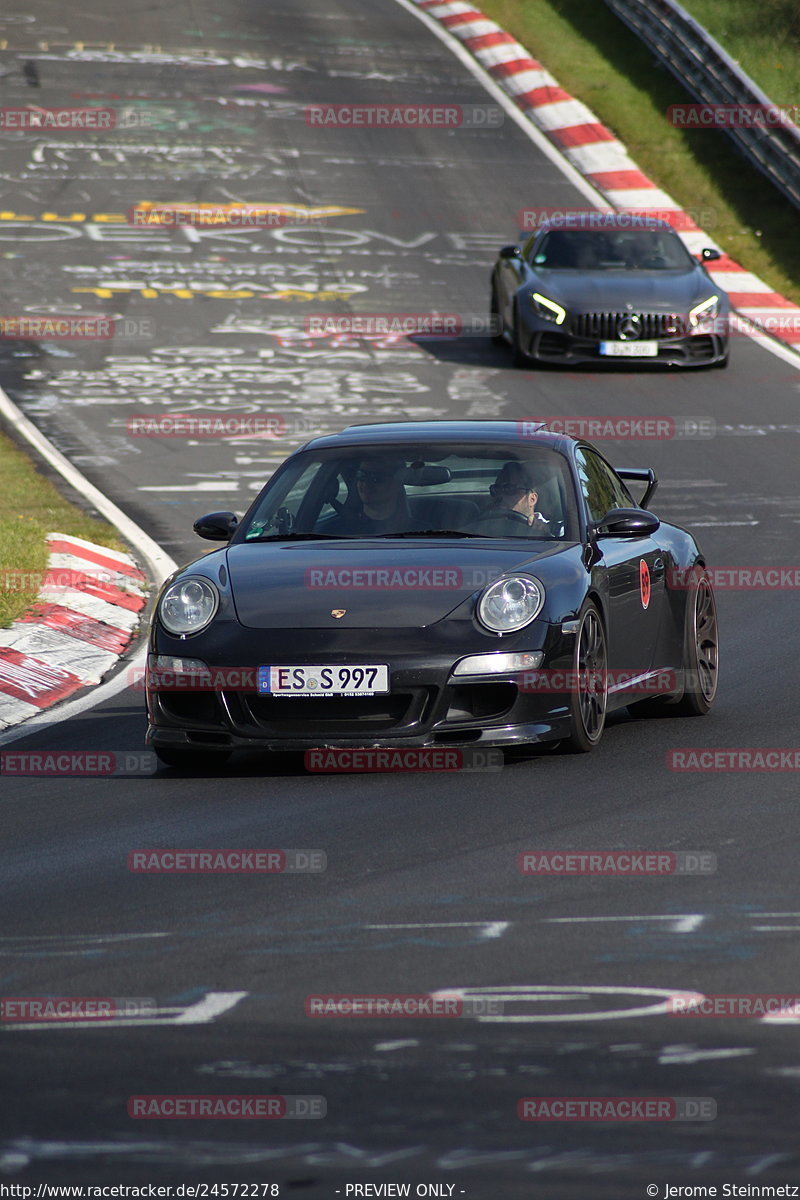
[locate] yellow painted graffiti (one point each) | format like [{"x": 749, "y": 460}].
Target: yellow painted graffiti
[
  {"x": 345, "y": 292},
  {"x": 216, "y": 213}
]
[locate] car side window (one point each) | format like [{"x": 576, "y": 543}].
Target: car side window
[{"x": 602, "y": 488}]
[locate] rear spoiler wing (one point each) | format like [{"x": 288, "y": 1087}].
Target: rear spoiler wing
[{"x": 644, "y": 475}]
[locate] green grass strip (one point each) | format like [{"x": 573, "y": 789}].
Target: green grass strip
[
  {"x": 763, "y": 37},
  {"x": 32, "y": 507}
]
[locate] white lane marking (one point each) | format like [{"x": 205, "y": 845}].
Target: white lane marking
[
  {"x": 541, "y": 993},
  {"x": 201, "y": 1013},
  {"x": 489, "y": 929},
  {"x": 212, "y": 1005},
  {"x": 682, "y": 922},
  {"x": 690, "y": 1054},
  {"x": 688, "y": 924},
  {"x": 209, "y": 485},
  {"x": 397, "y": 1045},
  {"x": 70, "y": 945}
]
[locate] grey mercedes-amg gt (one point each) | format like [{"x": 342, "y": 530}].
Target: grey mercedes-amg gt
[{"x": 609, "y": 287}]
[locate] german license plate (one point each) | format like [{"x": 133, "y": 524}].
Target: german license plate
[
  {"x": 352, "y": 680},
  {"x": 630, "y": 349}
]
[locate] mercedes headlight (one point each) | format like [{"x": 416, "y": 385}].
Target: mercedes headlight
[
  {"x": 705, "y": 311},
  {"x": 548, "y": 309},
  {"x": 511, "y": 603},
  {"x": 188, "y": 605}
]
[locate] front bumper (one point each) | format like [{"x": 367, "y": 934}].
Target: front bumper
[
  {"x": 425, "y": 707},
  {"x": 557, "y": 346}
]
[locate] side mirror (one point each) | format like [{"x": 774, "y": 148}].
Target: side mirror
[
  {"x": 510, "y": 252},
  {"x": 710, "y": 255},
  {"x": 627, "y": 522},
  {"x": 216, "y": 526}
]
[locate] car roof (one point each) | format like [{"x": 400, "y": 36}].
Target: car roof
[{"x": 511, "y": 433}]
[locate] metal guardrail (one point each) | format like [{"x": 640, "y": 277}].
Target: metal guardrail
[{"x": 711, "y": 76}]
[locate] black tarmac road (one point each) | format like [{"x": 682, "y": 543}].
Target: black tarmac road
[{"x": 422, "y": 891}]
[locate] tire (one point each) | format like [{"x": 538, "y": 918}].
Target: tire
[
  {"x": 700, "y": 651},
  {"x": 194, "y": 762},
  {"x": 494, "y": 315},
  {"x": 722, "y": 363},
  {"x": 588, "y": 700},
  {"x": 700, "y": 660}
]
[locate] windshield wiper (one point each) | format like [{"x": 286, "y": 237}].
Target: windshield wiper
[{"x": 433, "y": 533}]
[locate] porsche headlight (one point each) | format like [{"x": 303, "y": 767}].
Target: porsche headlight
[
  {"x": 705, "y": 311},
  {"x": 188, "y": 605},
  {"x": 511, "y": 603},
  {"x": 548, "y": 309}
]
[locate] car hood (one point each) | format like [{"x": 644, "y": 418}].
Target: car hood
[
  {"x": 379, "y": 584},
  {"x": 612, "y": 291}
]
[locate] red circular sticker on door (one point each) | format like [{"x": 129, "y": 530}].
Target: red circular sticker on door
[{"x": 644, "y": 583}]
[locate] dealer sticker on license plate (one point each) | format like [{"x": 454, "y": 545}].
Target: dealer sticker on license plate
[
  {"x": 630, "y": 349},
  {"x": 361, "y": 680}
]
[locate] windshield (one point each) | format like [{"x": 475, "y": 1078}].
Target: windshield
[
  {"x": 363, "y": 492},
  {"x": 612, "y": 250}
]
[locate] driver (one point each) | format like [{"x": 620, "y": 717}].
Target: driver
[
  {"x": 512, "y": 508},
  {"x": 381, "y": 506}
]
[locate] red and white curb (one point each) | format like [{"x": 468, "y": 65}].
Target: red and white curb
[
  {"x": 601, "y": 158},
  {"x": 84, "y": 618}
]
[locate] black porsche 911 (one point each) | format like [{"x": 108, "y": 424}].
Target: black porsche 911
[
  {"x": 429, "y": 584},
  {"x": 593, "y": 288}
]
